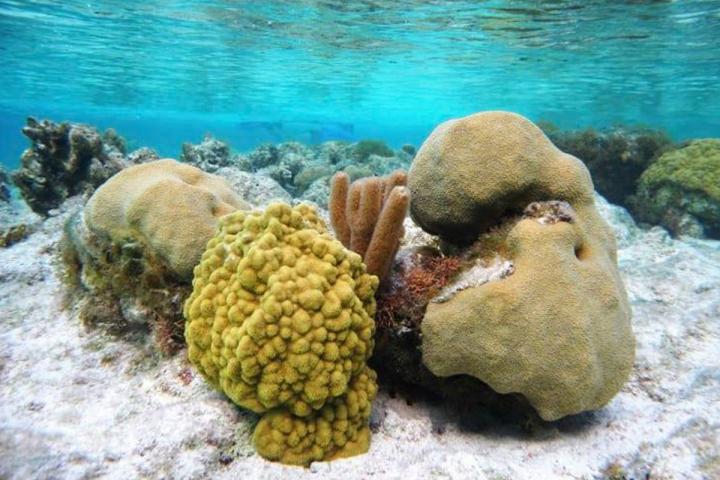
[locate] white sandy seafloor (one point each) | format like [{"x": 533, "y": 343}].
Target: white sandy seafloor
[{"x": 77, "y": 404}]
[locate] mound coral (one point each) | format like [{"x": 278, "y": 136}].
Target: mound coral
[
  {"x": 172, "y": 207},
  {"x": 281, "y": 320},
  {"x": 129, "y": 256},
  {"x": 681, "y": 191},
  {"x": 368, "y": 216},
  {"x": 555, "y": 326}
]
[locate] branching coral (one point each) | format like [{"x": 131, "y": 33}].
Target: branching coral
[
  {"x": 368, "y": 216},
  {"x": 281, "y": 320}
]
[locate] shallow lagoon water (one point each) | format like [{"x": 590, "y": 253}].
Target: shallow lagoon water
[
  {"x": 166, "y": 72},
  {"x": 98, "y": 383}
]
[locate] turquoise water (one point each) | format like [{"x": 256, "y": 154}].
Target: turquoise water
[{"x": 163, "y": 72}]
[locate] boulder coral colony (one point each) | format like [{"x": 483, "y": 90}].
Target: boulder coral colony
[{"x": 512, "y": 292}]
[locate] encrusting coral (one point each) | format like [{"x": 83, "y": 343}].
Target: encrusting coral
[
  {"x": 556, "y": 326},
  {"x": 681, "y": 191},
  {"x": 367, "y": 217},
  {"x": 281, "y": 320}
]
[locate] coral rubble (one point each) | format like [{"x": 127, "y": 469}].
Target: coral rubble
[
  {"x": 211, "y": 154},
  {"x": 281, "y": 320},
  {"x": 65, "y": 159}
]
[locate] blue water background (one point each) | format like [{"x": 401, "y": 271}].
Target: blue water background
[{"x": 163, "y": 72}]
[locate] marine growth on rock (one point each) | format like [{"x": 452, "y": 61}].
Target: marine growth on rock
[
  {"x": 681, "y": 191},
  {"x": 65, "y": 159},
  {"x": 128, "y": 257}
]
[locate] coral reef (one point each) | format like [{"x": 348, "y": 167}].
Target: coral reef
[
  {"x": 302, "y": 170},
  {"x": 172, "y": 207},
  {"x": 113, "y": 138},
  {"x": 65, "y": 159},
  {"x": 63, "y": 388},
  {"x": 556, "y": 326},
  {"x": 681, "y": 190},
  {"x": 616, "y": 157},
  {"x": 211, "y": 154},
  {"x": 142, "y": 155},
  {"x": 367, "y": 217},
  {"x": 281, "y": 320},
  {"x": 365, "y": 148},
  {"x": 253, "y": 188}
]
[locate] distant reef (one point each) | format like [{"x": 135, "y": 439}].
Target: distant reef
[{"x": 67, "y": 158}]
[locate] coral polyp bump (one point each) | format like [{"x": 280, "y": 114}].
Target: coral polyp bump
[{"x": 281, "y": 320}]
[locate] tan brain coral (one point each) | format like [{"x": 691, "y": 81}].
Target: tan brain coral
[
  {"x": 172, "y": 207},
  {"x": 281, "y": 320},
  {"x": 556, "y": 330}
]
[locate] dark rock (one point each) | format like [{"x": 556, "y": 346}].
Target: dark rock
[
  {"x": 65, "y": 159},
  {"x": 616, "y": 157},
  {"x": 4, "y": 186}
]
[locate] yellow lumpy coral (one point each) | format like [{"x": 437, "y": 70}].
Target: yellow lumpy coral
[{"x": 281, "y": 320}]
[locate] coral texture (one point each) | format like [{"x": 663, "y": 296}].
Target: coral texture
[
  {"x": 557, "y": 328},
  {"x": 681, "y": 191},
  {"x": 368, "y": 216},
  {"x": 212, "y": 154},
  {"x": 281, "y": 320},
  {"x": 616, "y": 157},
  {"x": 65, "y": 159},
  {"x": 173, "y": 208}
]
